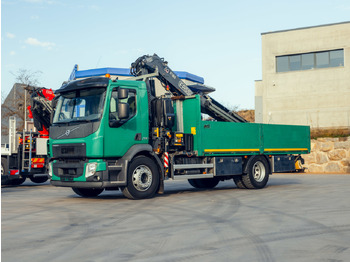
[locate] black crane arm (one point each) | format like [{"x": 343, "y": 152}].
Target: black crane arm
[{"x": 150, "y": 64}]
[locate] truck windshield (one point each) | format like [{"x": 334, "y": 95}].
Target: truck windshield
[{"x": 80, "y": 106}]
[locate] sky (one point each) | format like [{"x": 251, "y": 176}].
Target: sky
[{"x": 217, "y": 40}]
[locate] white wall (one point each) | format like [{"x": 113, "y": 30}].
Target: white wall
[{"x": 316, "y": 97}]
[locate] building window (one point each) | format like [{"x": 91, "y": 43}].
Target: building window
[
  {"x": 294, "y": 62},
  {"x": 307, "y": 61},
  {"x": 282, "y": 63}
]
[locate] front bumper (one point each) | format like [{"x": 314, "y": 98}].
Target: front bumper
[
  {"x": 102, "y": 184},
  {"x": 68, "y": 173}
]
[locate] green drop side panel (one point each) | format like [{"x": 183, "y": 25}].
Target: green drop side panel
[
  {"x": 281, "y": 139},
  {"x": 228, "y": 138}
]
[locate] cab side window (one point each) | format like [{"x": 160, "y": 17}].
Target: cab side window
[{"x": 130, "y": 100}]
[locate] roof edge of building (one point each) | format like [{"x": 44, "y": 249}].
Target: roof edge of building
[{"x": 302, "y": 28}]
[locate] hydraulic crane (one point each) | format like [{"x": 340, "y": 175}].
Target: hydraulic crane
[{"x": 154, "y": 65}]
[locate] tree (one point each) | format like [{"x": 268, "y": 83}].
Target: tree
[
  {"x": 27, "y": 77},
  {"x": 17, "y": 100}
]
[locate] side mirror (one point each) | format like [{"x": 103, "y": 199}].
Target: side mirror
[
  {"x": 51, "y": 116},
  {"x": 123, "y": 115},
  {"x": 123, "y": 93},
  {"x": 54, "y": 103},
  {"x": 123, "y": 110}
]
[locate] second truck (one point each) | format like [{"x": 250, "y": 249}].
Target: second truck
[
  {"x": 25, "y": 156},
  {"x": 118, "y": 134}
]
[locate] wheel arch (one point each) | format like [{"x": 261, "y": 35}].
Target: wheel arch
[
  {"x": 143, "y": 150},
  {"x": 147, "y": 151}
]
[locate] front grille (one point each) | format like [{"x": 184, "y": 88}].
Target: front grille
[{"x": 69, "y": 150}]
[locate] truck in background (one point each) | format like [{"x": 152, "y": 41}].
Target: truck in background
[
  {"x": 119, "y": 134},
  {"x": 25, "y": 156}
]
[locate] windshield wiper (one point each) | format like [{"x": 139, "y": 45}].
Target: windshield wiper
[{"x": 81, "y": 121}]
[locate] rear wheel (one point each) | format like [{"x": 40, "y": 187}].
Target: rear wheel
[
  {"x": 257, "y": 173},
  {"x": 204, "y": 182},
  {"x": 193, "y": 182},
  {"x": 239, "y": 182},
  {"x": 87, "y": 192},
  {"x": 143, "y": 178},
  {"x": 17, "y": 182},
  {"x": 39, "y": 179}
]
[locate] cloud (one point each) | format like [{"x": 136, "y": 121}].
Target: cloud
[
  {"x": 9, "y": 35},
  {"x": 12, "y": 53},
  {"x": 35, "y": 42}
]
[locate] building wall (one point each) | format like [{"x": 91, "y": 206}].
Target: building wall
[{"x": 316, "y": 97}]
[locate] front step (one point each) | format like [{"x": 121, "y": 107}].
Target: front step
[{"x": 191, "y": 166}]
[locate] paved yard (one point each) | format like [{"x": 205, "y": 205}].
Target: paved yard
[{"x": 296, "y": 218}]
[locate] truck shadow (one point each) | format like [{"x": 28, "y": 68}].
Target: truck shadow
[
  {"x": 273, "y": 184},
  {"x": 25, "y": 185}
]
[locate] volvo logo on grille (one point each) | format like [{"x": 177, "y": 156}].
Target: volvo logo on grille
[{"x": 68, "y": 131}]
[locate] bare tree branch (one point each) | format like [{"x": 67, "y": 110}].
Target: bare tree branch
[{"x": 14, "y": 104}]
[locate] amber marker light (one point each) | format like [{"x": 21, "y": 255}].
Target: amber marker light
[{"x": 108, "y": 75}]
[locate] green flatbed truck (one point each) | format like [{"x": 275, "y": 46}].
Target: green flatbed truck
[{"x": 117, "y": 134}]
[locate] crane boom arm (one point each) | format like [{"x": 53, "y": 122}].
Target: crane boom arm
[
  {"x": 41, "y": 108},
  {"x": 154, "y": 64}
]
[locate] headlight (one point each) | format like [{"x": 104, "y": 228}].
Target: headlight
[
  {"x": 50, "y": 169},
  {"x": 90, "y": 169}
]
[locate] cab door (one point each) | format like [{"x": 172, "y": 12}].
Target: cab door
[{"x": 121, "y": 134}]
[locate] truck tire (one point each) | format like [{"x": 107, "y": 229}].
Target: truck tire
[
  {"x": 39, "y": 179},
  {"x": 143, "y": 179},
  {"x": 4, "y": 171},
  {"x": 257, "y": 175},
  {"x": 193, "y": 182},
  {"x": 87, "y": 192},
  {"x": 239, "y": 182},
  {"x": 204, "y": 182},
  {"x": 17, "y": 182}
]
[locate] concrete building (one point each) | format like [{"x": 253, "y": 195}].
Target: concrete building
[{"x": 305, "y": 77}]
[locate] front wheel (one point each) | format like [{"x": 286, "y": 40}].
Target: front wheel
[
  {"x": 257, "y": 175},
  {"x": 143, "y": 179},
  {"x": 87, "y": 192}
]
